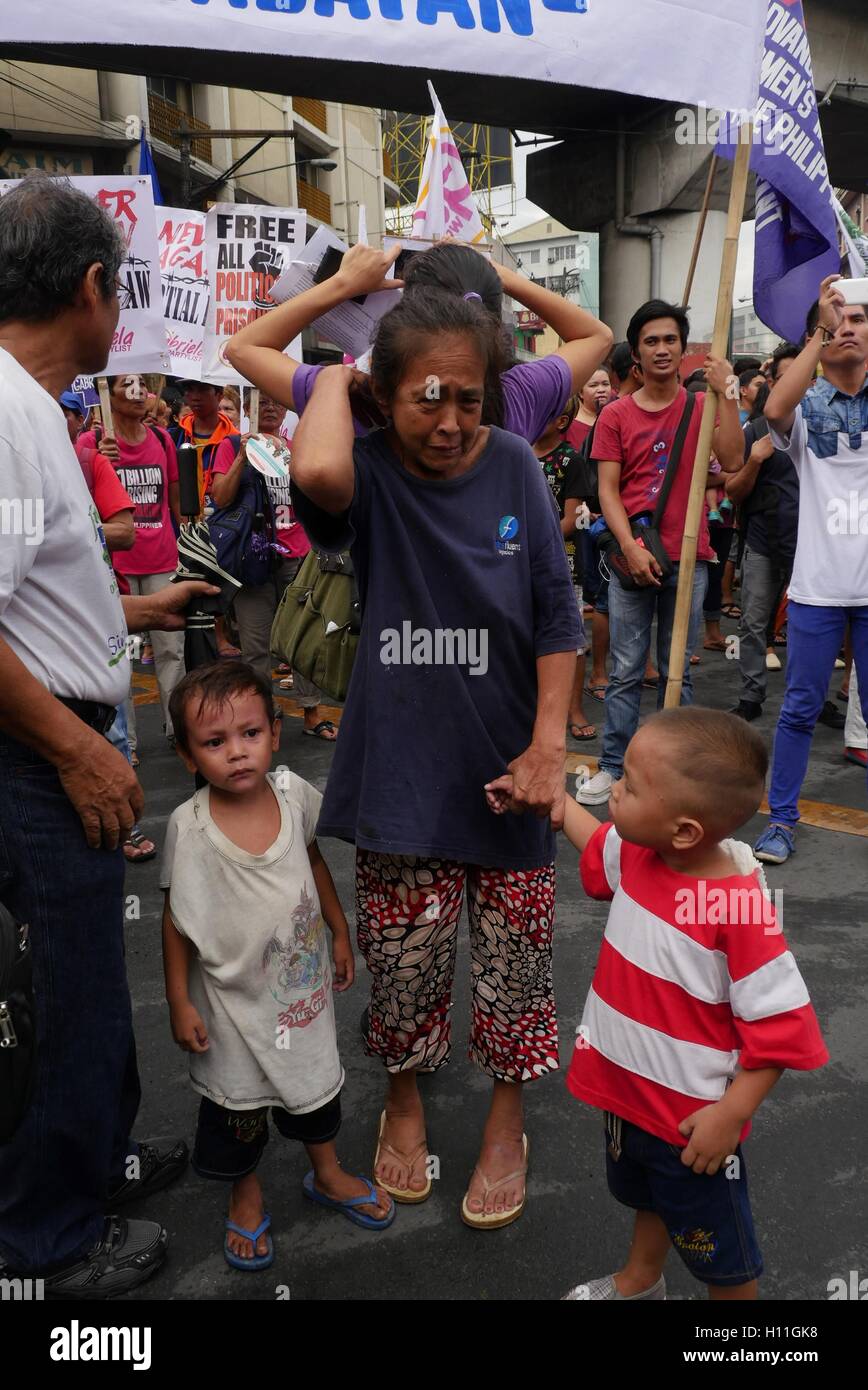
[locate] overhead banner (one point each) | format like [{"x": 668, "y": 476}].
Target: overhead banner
[
  {"x": 695, "y": 51},
  {"x": 139, "y": 344},
  {"x": 181, "y": 236},
  {"x": 247, "y": 249}
]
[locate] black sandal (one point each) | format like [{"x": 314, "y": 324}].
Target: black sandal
[{"x": 137, "y": 839}]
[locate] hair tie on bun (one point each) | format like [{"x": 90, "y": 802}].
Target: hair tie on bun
[{"x": 471, "y": 294}]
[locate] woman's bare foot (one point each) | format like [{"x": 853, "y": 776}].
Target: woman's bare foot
[
  {"x": 498, "y": 1158},
  {"x": 246, "y": 1209},
  {"x": 403, "y": 1148}
]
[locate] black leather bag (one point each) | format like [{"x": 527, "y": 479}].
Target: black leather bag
[
  {"x": 17, "y": 1024},
  {"x": 648, "y": 533}
]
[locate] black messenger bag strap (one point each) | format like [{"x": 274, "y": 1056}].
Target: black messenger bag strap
[{"x": 674, "y": 459}]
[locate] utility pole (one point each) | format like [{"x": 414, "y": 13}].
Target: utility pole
[{"x": 185, "y": 137}]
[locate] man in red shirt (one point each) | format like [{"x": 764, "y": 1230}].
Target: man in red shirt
[{"x": 632, "y": 444}]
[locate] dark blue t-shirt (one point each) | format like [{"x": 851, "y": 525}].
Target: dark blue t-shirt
[
  {"x": 777, "y": 483},
  {"x": 463, "y": 584}
]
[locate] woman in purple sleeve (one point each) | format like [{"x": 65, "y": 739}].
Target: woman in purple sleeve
[
  {"x": 520, "y": 397},
  {"x": 465, "y": 664}
]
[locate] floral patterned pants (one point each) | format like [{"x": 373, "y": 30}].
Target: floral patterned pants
[{"x": 407, "y": 913}]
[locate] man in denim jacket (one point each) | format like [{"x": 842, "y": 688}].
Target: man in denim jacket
[{"x": 822, "y": 425}]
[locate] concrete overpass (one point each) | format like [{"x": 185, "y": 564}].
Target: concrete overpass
[{"x": 641, "y": 188}]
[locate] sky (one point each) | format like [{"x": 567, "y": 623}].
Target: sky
[{"x": 503, "y": 200}]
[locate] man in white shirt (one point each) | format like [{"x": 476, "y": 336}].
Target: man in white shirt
[
  {"x": 822, "y": 424},
  {"x": 67, "y": 797}
]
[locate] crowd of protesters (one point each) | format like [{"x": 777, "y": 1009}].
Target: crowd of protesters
[{"x": 519, "y": 503}]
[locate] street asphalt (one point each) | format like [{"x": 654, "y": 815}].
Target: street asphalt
[{"x": 806, "y": 1156}]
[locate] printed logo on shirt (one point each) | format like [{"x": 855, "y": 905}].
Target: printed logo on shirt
[
  {"x": 507, "y": 530},
  {"x": 145, "y": 485}
]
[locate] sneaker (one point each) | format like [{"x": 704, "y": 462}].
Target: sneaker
[
  {"x": 128, "y": 1254},
  {"x": 714, "y": 515},
  {"x": 597, "y": 1289},
  {"x": 857, "y": 755},
  {"x": 747, "y": 709},
  {"x": 726, "y": 504},
  {"x": 831, "y": 717},
  {"x": 776, "y": 844},
  {"x": 773, "y": 661},
  {"x": 596, "y": 791},
  {"x": 156, "y": 1171}
]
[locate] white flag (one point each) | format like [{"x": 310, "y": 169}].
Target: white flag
[{"x": 445, "y": 206}]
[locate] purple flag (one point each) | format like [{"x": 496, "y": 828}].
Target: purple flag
[{"x": 796, "y": 227}]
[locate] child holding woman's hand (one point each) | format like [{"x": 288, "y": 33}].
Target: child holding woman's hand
[{"x": 696, "y": 1006}]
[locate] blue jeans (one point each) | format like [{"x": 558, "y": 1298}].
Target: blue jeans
[
  {"x": 72, "y": 1145},
  {"x": 631, "y": 614},
  {"x": 814, "y": 638}
]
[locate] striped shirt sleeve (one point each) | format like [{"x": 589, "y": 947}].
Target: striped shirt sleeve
[
  {"x": 772, "y": 1011},
  {"x": 600, "y": 865}
]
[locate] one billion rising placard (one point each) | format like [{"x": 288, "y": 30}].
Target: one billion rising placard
[{"x": 247, "y": 248}]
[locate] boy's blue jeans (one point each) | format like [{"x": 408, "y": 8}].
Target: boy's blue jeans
[
  {"x": 631, "y": 615},
  {"x": 815, "y": 636},
  {"x": 73, "y": 1143}
]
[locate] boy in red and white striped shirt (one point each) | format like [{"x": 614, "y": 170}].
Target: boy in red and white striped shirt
[{"x": 696, "y": 1005}]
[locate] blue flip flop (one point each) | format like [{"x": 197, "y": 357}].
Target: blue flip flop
[
  {"x": 349, "y": 1205},
  {"x": 255, "y": 1261}
]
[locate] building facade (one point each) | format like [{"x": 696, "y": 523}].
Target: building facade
[
  {"x": 78, "y": 121},
  {"x": 561, "y": 260}
]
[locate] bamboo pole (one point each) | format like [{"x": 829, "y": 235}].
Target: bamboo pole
[
  {"x": 105, "y": 405},
  {"x": 723, "y": 317},
  {"x": 700, "y": 230},
  {"x": 253, "y": 410}
]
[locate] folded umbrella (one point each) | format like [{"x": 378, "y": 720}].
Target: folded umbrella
[{"x": 197, "y": 559}]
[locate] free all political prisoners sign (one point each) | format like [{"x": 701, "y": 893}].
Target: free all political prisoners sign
[
  {"x": 247, "y": 248},
  {"x": 139, "y": 343},
  {"x": 696, "y": 51}
]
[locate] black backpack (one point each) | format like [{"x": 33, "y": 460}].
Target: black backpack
[{"x": 243, "y": 533}]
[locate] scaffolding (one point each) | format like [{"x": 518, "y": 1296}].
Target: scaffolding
[{"x": 486, "y": 153}]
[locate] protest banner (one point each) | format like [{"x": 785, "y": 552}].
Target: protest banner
[
  {"x": 181, "y": 237},
  {"x": 247, "y": 249},
  {"x": 675, "y": 50},
  {"x": 139, "y": 343},
  {"x": 445, "y": 206},
  {"x": 796, "y": 227},
  {"x": 85, "y": 388}
]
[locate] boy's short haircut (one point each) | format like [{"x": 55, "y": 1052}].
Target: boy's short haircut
[
  {"x": 621, "y": 361},
  {"x": 214, "y": 685},
  {"x": 784, "y": 352},
  {"x": 722, "y": 759}
]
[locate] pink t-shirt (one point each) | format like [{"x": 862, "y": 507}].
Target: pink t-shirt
[
  {"x": 145, "y": 471},
  {"x": 288, "y": 532}
]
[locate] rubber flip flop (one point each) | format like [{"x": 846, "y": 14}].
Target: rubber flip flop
[
  {"x": 401, "y": 1194},
  {"x": 316, "y": 731},
  {"x": 137, "y": 839},
  {"x": 349, "y": 1204},
  {"x": 596, "y": 692},
  {"x": 256, "y": 1261},
  {"x": 580, "y": 737},
  {"x": 495, "y": 1219}
]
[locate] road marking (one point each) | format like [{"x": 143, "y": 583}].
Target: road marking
[{"x": 822, "y": 815}]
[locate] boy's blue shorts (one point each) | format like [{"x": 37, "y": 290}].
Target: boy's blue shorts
[{"x": 709, "y": 1219}]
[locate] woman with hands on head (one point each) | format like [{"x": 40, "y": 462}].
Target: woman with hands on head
[
  {"x": 464, "y": 671},
  {"x": 520, "y": 397}
]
